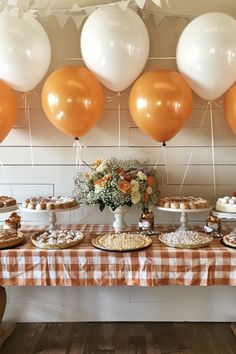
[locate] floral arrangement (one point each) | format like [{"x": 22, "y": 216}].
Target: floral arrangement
[{"x": 116, "y": 182}]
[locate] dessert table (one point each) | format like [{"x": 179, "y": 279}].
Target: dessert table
[{"x": 84, "y": 265}]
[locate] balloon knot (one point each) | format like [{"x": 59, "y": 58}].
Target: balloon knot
[
  {"x": 76, "y": 138},
  {"x": 164, "y": 143}
]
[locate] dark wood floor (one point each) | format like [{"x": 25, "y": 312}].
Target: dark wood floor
[{"x": 116, "y": 338}]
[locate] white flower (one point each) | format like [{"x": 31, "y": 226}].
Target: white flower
[
  {"x": 149, "y": 190},
  {"x": 134, "y": 185},
  {"x": 141, "y": 175},
  {"x": 135, "y": 197},
  {"x": 100, "y": 168}
]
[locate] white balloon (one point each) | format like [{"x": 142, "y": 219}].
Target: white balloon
[
  {"x": 206, "y": 54},
  {"x": 115, "y": 46},
  {"x": 25, "y": 51}
]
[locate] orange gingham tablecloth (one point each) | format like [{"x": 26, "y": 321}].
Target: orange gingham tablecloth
[{"x": 84, "y": 265}]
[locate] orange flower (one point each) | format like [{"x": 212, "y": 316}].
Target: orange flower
[
  {"x": 127, "y": 176},
  {"x": 124, "y": 186},
  {"x": 151, "y": 181},
  {"x": 145, "y": 197},
  {"x": 120, "y": 171},
  {"x": 102, "y": 181}
]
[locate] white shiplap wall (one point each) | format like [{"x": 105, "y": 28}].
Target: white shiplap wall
[{"x": 54, "y": 168}]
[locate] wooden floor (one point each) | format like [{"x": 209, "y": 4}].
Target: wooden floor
[{"x": 115, "y": 338}]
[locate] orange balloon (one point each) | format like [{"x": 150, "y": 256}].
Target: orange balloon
[
  {"x": 8, "y": 109},
  {"x": 73, "y": 100},
  {"x": 159, "y": 103},
  {"x": 230, "y": 108}
]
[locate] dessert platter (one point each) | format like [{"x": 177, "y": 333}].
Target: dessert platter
[
  {"x": 185, "y": 239},
  {"x": 225, "y": 208},
  {"x": 183, "y": 205},
  {"x": 10, "y": 238},
  {"x": 230, "y": 239},
  {"x": 124, "y": 241},
  {"x": 7, "y": 204},
  {"x": 50, "y": 205},
  {"x": 57, "y": 239}
]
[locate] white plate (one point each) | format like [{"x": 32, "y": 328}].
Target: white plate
[
  {"x": 8, "y": 209},
  {"x": 48, "y": 210},
  {"x": 202, "y": 210}
]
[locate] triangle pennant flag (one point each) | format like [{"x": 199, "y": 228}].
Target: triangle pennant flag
[
  {"x": 124, "y": 4},
  {"x": 75, "y": 8},
  {"x": 78, "y": 20},
  {"x": 158, "y": 18},
  {"x": 140, "y": 3},
  {"x": 62, "y": 19},
  {"x": 157, "y": 2}
]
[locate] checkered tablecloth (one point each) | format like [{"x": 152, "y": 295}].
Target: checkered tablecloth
[{"x": 84, "y": 265}]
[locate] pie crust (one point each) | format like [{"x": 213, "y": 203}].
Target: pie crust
[
  {"x": 10, "y": 238},
  {"x": 230, "y": 239},
  {"x": 185, "y": 239},
  {"x": 121, "y": 241},
  {"x": 57, "y": 239}
]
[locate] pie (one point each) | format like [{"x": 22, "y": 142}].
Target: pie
[
  {"x": 57, "y": 239},
  {"x": 121, "y": 241},
  {"x": 230, "y": 239},
  {"x": 9, "y": 238},
  {"x": 185, "y": 239}
]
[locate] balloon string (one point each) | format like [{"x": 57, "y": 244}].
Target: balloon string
[
  {"x": 27, "y": 112},
  {"x": 186, "y": 171},
  {"x": 78, "y": 156},
  {"x": 191, "y": 154},
  {"x": 111, "y": 98},
  {"x": 165, "y": 164},
  {"x": 119, "y": 127},
  {"x": 213, "y": 150}
]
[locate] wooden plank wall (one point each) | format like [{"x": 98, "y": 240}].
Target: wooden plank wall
[{"x": 54, "y": 169}]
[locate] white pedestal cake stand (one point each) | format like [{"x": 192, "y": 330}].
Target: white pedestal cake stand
[
  {"x": 224, "y": 215},
  {"x": 52, "y": 214},
  {"x": 184, "y": 226}
]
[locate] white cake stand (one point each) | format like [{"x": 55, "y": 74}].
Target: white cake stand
[
  {"x": 184, "y": 215},
  {"x": 224, "y": 215},
  {"x": 9, "y": 209},
  {"x": 52, "y": 214}
]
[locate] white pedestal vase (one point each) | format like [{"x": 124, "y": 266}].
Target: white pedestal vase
[{"x": 119, "y": 223}]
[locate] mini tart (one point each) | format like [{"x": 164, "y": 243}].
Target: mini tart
[
  {"x": 230, "y": 239},
  {"x": 9, "y": 238}
]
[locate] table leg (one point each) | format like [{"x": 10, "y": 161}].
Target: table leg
[
  {"x": 6, "y": 329},
  {"x": 233, "y": 328}
]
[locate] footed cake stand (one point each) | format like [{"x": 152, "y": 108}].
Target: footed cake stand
[
  {"x": 184, "y": 226},
  {"x": 51, "y": 212},
  {"x": 224, "y": 215}
]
